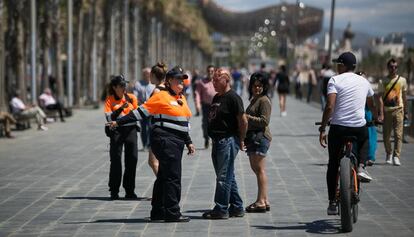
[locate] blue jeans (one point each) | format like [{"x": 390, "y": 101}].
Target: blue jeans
[{"x": 227, "y": 196}]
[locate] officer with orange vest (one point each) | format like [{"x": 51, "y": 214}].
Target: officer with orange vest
[
  {"x": 170, "y": 132},
  {"x": 118, "y": 104}
]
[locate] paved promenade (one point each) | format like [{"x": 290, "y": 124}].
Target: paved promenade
[{"x": 54, "y": 184}]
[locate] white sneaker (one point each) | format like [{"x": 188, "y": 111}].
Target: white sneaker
[
  {"x": 396, "y": 161},
  {"x": 363, "y": 175},
  {"x": 43, "y": 128},
  {"x": 283, "y": 114},
  {"x": 388, "y": 159}
]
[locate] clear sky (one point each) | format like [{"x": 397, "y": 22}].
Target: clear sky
[{"x": 377, "y": 17}]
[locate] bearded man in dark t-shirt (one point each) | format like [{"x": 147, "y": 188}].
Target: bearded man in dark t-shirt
[{"x": 227, "y": 125}]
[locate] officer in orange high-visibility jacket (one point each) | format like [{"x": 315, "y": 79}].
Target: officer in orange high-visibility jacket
[
  {"x": 170, "y": 132},
  {"x": 118, "y": 104}
]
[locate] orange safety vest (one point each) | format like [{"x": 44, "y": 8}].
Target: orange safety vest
[
  {"x": 111, "y": 105},
  {"x": 167, "y": 111}
]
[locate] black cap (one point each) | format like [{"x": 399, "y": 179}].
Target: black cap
[
  {"x": 176, "y": 72},
  {"x": 119, "y": 80},
  {"x": 348, "y": 59}
]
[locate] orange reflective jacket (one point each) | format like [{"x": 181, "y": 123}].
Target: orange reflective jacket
[{"x": 111, "y": 105}]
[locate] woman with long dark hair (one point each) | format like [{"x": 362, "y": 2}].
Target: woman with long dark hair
[{"x": 258, "y": 137}]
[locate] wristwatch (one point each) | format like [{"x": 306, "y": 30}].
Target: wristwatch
[{"x": 321, "y": 129}]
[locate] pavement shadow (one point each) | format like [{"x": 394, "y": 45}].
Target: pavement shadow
[
  {"x": 124, "y": 221},
  {"x": 197, "y": 210},
  {"x": 329, "y": 226},
  {"x": 105, "y": 198}
]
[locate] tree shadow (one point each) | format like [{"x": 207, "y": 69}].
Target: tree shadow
[
  {"x": 105, "y": 198},
  {"x": 329, "y": 226}
]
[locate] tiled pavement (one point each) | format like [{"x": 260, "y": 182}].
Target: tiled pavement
[{"x": 54, "y": 183}]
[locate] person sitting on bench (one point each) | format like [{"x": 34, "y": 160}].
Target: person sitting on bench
[
  {"x": 19, "y": 109},
  {"x": 49, "y": 102}
]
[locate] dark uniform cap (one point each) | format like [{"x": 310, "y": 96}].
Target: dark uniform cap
[
  {"x": 176, "y": 72},
  {"x": 118, "y": 80},
  {"x": 347, "y": 59}
]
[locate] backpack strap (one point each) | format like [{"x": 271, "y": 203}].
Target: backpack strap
[{"x": 388, "y": 92}]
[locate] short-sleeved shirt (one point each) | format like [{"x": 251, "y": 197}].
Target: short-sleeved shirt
[
  {"x": 352, "y": 91},
  {"x": 17, "y": 105},
  {"x": 394, "y": 98},
  {"x": 47, "y": 99},
  {"x": 222, "y": 119}
]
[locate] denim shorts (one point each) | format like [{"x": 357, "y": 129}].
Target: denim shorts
[{"x": 258, "y": 148}]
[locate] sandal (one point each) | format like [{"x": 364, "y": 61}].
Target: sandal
[
  {"x": 255, "y": 208},
  {"x": 267, "y": 207}
]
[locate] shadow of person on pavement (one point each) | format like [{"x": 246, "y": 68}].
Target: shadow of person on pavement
[
  {"x": 105, "y": 198},
  {"x": 330, "y": 226}
]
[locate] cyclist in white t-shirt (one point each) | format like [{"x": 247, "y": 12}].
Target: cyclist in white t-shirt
[{"x": 347, "y": 94}]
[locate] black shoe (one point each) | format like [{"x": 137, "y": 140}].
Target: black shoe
[
  {"x": 179, "y": 219},
  {"x": 236, "y": 213},
  {"x": 206, "y": 143},
  {"x": 114, "y": 196},
  {"x": 131, "y": 196},
  {"x": 156, "y": 219},
  {"x": 214, "y": 215}
]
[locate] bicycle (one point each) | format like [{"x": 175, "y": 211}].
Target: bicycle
[{"x": 347, "y": 192}]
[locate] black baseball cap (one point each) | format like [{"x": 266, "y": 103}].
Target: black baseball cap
[
  {"x": 176, "y": 72},
  {"x": 348, "y": 59},
  {"x": 119, "y": 80}
]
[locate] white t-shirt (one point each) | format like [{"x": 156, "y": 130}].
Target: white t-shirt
[
  {"x": 17, "y": 105},
  {"x": 352, "y": 92},
  {"x": 47, "y": 99}
]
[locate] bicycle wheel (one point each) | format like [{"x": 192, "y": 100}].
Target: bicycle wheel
[
  {"x": 345, "y": 189},
  {"x": 355, "y": 199}
]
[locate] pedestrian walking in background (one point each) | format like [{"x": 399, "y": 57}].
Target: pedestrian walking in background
[
  {"x": 118, "y": 104},
  {"x": 325, "y": 74},
  {"x": 298, "y": 83},
  {"x": 311, "y": 83},
  {"x": 227, "y": 125},
  {"x": 392, "y": 93},
  {"x": 158, "y": 72},
  {"x": 170, "y": 132},
  {"x": 204, "y": 95},
  {"x": 283, "y": 85},
  {"x": 143, "y": 90},
  {"x": 237, "y": 81},
  {"x": 258, "y": 137}
]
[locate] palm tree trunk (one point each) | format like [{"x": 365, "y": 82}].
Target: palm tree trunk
[
  {"x": 56, "y": 40},
  {"x": 78, "y": 51},
  {"x": 2, "y": 74},
  {"x": 45, "y": 42}
]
